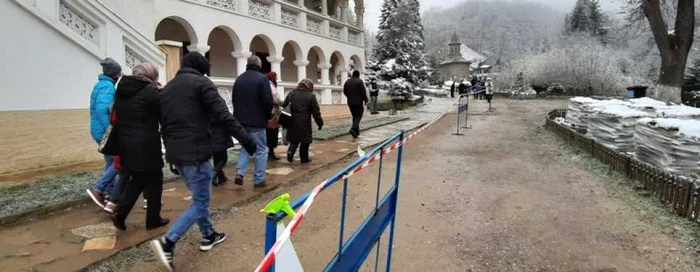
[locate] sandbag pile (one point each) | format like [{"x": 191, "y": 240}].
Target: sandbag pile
[
  {"x": 669, "y": 144},
  {"x": 578, "y": 112},
  {"x": 613, "y": 124}
]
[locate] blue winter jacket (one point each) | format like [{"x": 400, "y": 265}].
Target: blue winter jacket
[{"x": 100, "y": 102}]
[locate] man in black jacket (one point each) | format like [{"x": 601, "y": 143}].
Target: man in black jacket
[
  {"x": 354, "y": 89},
  {"x": 252, "y": 106},
  {"x": 188, "y": 104},
  {"x": 373, "y": 95}
]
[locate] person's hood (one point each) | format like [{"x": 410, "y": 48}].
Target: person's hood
[
  {"x": 196, "y": 61},
  {"x": 129, "y": 85}
]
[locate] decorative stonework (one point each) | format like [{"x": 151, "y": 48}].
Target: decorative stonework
[
  {"x": 130, "y": 58},
  {"x": 224, "y": 4},
  {"x": 290, "y": 18},
  {"x": 260, "y": 10},
  {"x": 337, "y": 97},
  {"x": 335, "y": 32},
  {"x": 313, "y": 25},
  {"x": 225, "y": 93},
  {"x": 78, "y": 23},
  {"x": 354, "y": 38}
]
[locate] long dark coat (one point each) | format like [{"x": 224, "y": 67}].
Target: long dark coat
[
  {"x": 303, "y": 107},
  {"x": 137, "y": 111}
]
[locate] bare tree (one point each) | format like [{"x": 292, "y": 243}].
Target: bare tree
[{"x": 674, "y": 44}]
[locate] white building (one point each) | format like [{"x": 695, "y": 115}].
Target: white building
[{"x": 52, "y": 47}]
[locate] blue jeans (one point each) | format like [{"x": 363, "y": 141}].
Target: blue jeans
[
  {"x": 258, "y": 135},
  {"x": 105, "y": 184},
  {"x": 198, "y": 181}
]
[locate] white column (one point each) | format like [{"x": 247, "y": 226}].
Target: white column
[
  {"x": 241, "y": 60},
  {"x": 242, "y": 6},
  {"x": 324, "y": 7},
  {"x": 343, "y": 75},
  {"x": 302, "y": 21},
  {"x": 276, "y": 12},
  {"x": 276, "y": 63},
  {"x": 325, "y": 70},
  {"x": 199, "y": 48},
  {"x": 360, "y": 15},
  {"x": 301, "y": 69},
  {"x": 344, "y": 34},
  {"x": 326, "y": 27}
]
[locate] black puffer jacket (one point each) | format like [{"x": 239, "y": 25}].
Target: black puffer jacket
[
  {"x": 220, "y": 139},
  {"x": 188, "y": 104},
  {"x": 138, "y": 110}
]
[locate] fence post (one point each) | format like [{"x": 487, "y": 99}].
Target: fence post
[
  {"x": 270, "y": 236},
  {"x": 342, "y": 216},
  {"x": 395, "y": 201}
]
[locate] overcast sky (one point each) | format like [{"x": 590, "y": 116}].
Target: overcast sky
[{"x": 373, "y": 7}]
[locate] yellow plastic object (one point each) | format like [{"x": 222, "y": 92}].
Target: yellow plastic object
[{"x": 280, "y": 203}]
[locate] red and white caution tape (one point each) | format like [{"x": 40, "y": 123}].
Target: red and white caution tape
[{"x": 269, "y": 258}]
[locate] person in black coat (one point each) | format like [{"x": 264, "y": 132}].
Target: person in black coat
[
  {"x": 303, "y": 107},
  {"x": 452, "y": 89},
  {"x": 137, "y": 111},
  {"x": 462, "y": 87},
  {"x": 188, "y": 103},
  {"x": 221, "y": 142},
  {"x": 354, "y": 89}
]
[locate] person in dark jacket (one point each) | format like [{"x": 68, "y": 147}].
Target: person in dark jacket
[
  {"x": 188, "y": 103},
  {"x": 137, "y": 111},
  {"x": 373, "y": 95},
  {"x": 221, "y": 142},
  {"x": 356, "y": 93},
  {"x": 462, "y": 87},
  {"x": 303, "y": 107},
  {"x": 252, "y": 106},
  {"x": 452, "y": 89}
]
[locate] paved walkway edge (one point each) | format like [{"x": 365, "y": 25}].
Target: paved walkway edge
[{"x": 251, "y": 198}]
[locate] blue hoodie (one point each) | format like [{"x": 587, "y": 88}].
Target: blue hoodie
[{"x": 100, "y": 103}]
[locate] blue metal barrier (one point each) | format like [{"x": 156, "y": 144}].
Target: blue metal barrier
[{"x": 352, "y": 254}]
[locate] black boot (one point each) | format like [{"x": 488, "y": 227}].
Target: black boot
[{"x": 272, "y": 156}]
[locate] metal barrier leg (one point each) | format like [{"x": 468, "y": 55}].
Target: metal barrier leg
[
  {"x": 395, "y": 204},
  {"x": 342, "y": 217},
  {"x": 270, "y": 236},
  {"x": 459, "y": 113}
]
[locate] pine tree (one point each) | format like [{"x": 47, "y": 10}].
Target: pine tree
[
  {"x": 578, "y": 20},
  {"x": 597, "y": 21},
  {"x": 400, "y": 42}
]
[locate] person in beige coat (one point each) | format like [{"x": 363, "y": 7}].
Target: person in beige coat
[{"x": 273, "y": 128}]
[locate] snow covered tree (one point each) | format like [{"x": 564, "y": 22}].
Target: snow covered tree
[
  {"x": 400, "y": 43},
  {"x": 691, "y": 85},
  {"x": 587, "y": 17}
]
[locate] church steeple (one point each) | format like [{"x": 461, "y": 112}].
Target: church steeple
[{"x": 455, "y": 45}]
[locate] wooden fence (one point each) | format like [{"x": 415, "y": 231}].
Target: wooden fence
[{"x": 681, "y": 193}]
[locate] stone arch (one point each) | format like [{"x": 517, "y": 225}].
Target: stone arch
[
  {"x": 315, "y": 57},
  {"x": 222, "y": 42},
  {"x": 175, "y": 28},
  {"x": 356, "y": 64},
  {"x": 291, "y": 52},
  {"x": 263, "y": 47},
  {"x": 338, "y": 66}
]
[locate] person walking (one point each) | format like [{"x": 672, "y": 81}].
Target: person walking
[
  {"x": 452, "y": 89},
  {"x": 221, "y": 142},
  {"x": 373, "y": 95},
  {"x": 356, "y": 93},
  {"x": 303, "y": 105},
  {"x": 272, "y": 132},
  {"x": 463, "y": 87},
  {"x": 187, "y": 105},
  {"x": 252, "y": 106},
  {"x": 137, "y": 111},
  {"x": 489, "y": 90},
  {"x": 101, "y": 100}
]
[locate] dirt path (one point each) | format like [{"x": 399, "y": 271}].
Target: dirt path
[{"x": 502, "y": 198}]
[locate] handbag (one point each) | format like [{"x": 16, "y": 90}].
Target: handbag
[
  {"x": 109, "y": 145},
  {"x": 273, "y": 123},
  {"x": 285, "y": 117}
]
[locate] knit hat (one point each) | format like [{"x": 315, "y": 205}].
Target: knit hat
[{"x": 110, "y": 67}]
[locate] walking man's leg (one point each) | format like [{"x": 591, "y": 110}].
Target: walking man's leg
[
  {"x": 261, "y": 153},
  {"x": 242, "y": 166},
  {"x": 291, "y": 150},
  {"x": 105, "y": 184},
  {"x": 304, "y": 153}
]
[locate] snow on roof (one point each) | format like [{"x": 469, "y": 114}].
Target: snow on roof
[{"x": 690, "y": 128}]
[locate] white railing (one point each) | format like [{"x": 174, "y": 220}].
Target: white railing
[
  {"x": 223, "y": 4},
  {"x": 335, "y": 32},
  {"x": 313, "y": 25},
  {"x": 354, "y": 38},
  {"x": 260, "y": 10},
  {"x": 78, "y": 23}
]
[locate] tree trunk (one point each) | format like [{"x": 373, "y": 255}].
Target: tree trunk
[{"x": 673, "y": 47}]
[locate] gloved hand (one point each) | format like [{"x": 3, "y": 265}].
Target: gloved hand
[{"x": 250, "y": 147}]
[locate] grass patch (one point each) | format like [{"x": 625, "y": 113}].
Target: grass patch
[
  {"x": 336, "y": 131},
  {"x": 635, "y": 195}
]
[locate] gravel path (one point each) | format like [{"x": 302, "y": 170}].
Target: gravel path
[{"x": 508, "y": 196}]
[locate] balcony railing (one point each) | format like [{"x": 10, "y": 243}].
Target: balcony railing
[{"x": 289, "y": 14}]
